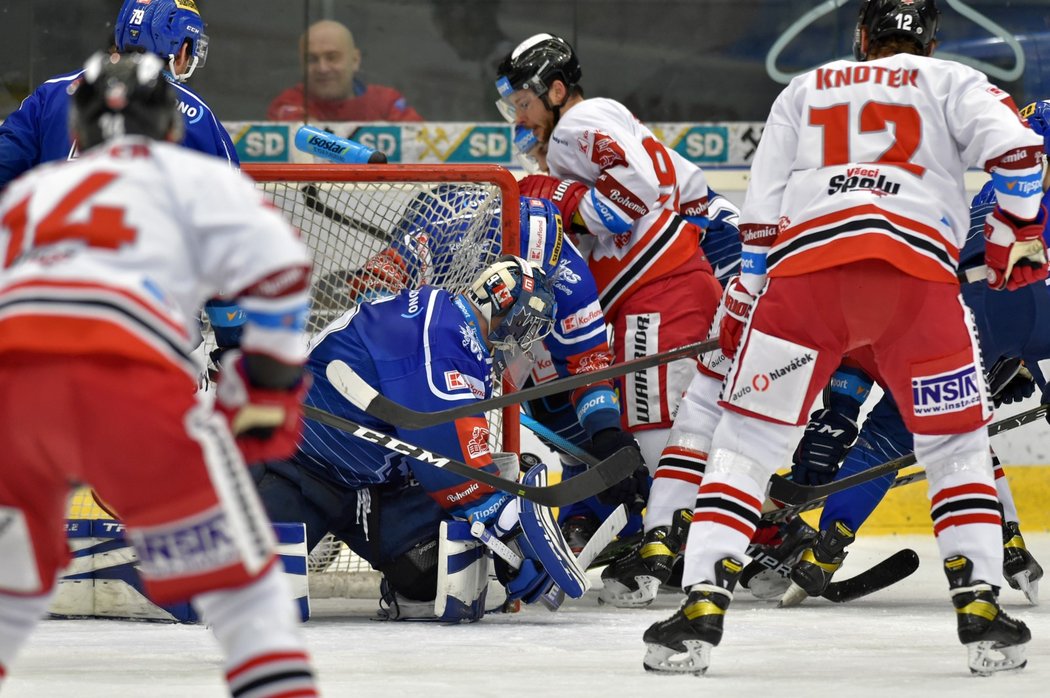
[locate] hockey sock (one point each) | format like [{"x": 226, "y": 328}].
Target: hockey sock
[
  {"x": 965, "y": 512},
  {"x": 19, "y": 615},
  {"x": 1002, "y": 488},
  {"x": 257, "y": 627},
  {"x": 728, "y": 507},
  {"x": 675, "y": 484}
]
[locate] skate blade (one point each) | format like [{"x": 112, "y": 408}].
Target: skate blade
[
  {"x": 618, "y": 595},
  {"x": 794, "y": 596},
  {"x": 665, "y": 660},
  {"x": 768, "y": 585},
  {"x": 1023, "y": 582},
  {"x": 986, "y": 659}
]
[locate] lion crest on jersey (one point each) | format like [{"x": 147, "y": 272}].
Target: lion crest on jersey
[{"x": 470, "y": 341}]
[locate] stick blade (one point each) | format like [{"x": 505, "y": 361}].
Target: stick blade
[
  {"x": 890, "y": 571},
  {"x": 350, "y": 385}
]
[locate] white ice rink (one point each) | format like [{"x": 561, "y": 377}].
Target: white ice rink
[{"x": 899, "y": 642}]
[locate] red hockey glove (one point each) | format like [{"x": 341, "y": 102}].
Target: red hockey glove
[
  {"x": 565, "y": 194},
  {"x": 383, "y": 273},
  {"x": 737, "y": 301},
  {"x": 1014, "y": 250},
  {"x": 265, "y": 421}
]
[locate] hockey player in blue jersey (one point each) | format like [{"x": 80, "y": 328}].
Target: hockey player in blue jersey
[
  {"x": 1014, "y": 333},
  {"x": 38, "y": 131},
  {"x": 430, "y": 350}
]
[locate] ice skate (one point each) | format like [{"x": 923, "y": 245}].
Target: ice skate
[
  {"x": 633, "y": 580},
  {"x": 767, "y": 575},
  {"x": 813, "y": 572},
  {"x": 682, "y": 643},
  {"x": 1021, "y": 570},
  {"x": 994, "y": 641}
]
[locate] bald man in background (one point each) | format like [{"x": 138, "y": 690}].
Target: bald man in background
[{"x": 332, "y": 92}]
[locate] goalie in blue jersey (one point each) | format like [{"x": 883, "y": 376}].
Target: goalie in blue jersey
[
  {"x": 430, "y": 350},
  {"x": 429, "y": 244}
]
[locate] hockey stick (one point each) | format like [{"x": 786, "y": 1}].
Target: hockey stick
[
  {"x": 312, "y": 200},
  {"x": 797, "y": 496},
  {"x": 599, "y": 540},
  {"x": 893, "y": 569},
  {"x": 556, "y": 440},
  {"x": 365, "y": 397},
  {"x": 590, "y": 482}
]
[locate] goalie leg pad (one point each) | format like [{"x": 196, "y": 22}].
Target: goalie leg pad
[
  {"x": 543, "y": 534},
  {"x": 463, "y": 574}
]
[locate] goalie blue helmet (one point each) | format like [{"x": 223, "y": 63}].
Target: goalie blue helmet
[
  {"x": 912, "y": 19},
  {"x": 162, "y": 27},
  {"x": 124, "y": 94},
  {"x": 516, "y": 300}
]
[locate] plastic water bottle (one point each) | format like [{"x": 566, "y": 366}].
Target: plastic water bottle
[{"x": 331, "y": 147}]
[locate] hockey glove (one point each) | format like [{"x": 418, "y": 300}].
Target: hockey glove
[
  {"x": 266, "y": 422},
  {"x": 633, "y": 491},
  {"x": 1045, "y": 400},
  {"x": 565, "y": 194},
  {"x": 1014, "y": 250},
  {"x": 737, "y": 301},
  {"x": 1009, "y": 381},
  {"x": 829, "y": 436},
  {"x": 383, "y": 274}
]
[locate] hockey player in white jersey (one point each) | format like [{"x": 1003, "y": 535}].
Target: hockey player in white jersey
[
  {"x": 106, "y": 263},
  {"x": 654, "y": 284},
  {"x": 855, "y": 214}
]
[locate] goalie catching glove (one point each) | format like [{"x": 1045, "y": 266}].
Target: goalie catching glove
[
  {"x": 383, "y": 274},
  {"x": 1014, "y": 250},
  {"x": 265, "y": 421}
]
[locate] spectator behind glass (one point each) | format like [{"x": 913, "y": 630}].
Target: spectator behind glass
[{"x": 332, "y": 93}]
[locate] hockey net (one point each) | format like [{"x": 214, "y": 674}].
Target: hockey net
[{"x": 347, "y": 215}]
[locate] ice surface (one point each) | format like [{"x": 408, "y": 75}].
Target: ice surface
[{"x": 896, "y": 643}]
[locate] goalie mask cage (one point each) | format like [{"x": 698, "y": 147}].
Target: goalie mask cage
[{"x": 347, "y": 214}]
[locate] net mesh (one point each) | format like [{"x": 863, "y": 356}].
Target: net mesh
[{"x": 372, "y": 231}]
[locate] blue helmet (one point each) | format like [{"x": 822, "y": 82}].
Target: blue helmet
[
  {"x": 1037, "y": 116},
  {"x": 448, "y": 228},
  {"x": 162, "y": 27},
  {"x": 516, "y": 300}
]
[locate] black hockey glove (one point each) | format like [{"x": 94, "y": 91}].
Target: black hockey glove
[
  {"x": 1010, "y": 381},
  {"x": 633, "y": 491},
  {"x": 1045, "y": 400},
  {"x": 829, "y": 435}
]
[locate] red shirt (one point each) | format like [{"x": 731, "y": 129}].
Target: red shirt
[{"x": 369, "y": 103}]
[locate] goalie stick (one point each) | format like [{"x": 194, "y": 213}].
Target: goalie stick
[
  {"x": 357, "y": 391},
  {"x": 798, "y": 496},
  {"x": 590, "y": 482}
]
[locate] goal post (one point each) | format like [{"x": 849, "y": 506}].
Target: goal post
[{"x": 347, "y": 214}]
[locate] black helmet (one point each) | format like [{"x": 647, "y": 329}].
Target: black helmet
[
  {"x": 123, "y": 93},
  {"x": 537, "y": 62},
  {"x": 915, "y": 19}
]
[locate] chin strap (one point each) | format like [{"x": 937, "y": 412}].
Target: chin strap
[{"x": 185, "y": 76}]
